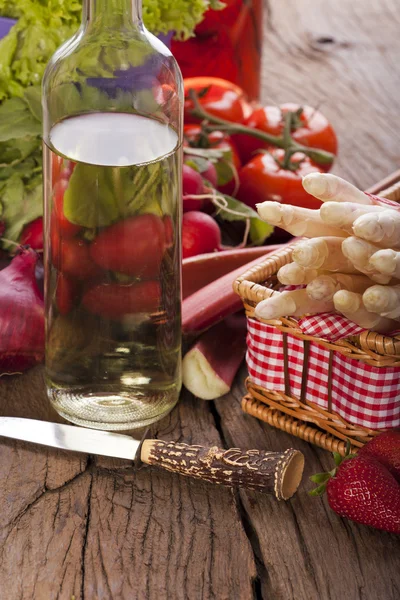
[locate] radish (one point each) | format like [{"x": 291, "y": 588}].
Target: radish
[
  {"x": 192, "y": 186},
  {"x": 116, "y": 300},
  {"x": 200, "y": 234},
  {"x": 21, "y": 315},
  {"x": 32, "y": 234},
  {"x": 210, "y": 173},
  {"x": 134, "y": 246}
]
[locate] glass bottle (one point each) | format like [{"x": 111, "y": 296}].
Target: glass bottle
[
  {"x": 228, "y": 45},
  {"x": 112, "y": 110}
]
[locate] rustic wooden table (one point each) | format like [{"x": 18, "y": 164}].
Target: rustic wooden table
[{"x": 89, "y": 528}]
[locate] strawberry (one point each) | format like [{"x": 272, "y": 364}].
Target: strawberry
[
  {"x": 385, "y": 448},
  {"x": 360, "y": 488}
]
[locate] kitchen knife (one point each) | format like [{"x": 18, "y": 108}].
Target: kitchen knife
[{"x": 278, "y": 473}]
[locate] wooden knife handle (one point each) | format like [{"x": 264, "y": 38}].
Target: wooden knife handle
[{"x": 277, "y": 473}]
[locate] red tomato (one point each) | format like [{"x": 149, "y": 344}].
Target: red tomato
[
  {"x": 263, "y": 179},
  {"x": 71, "y": 257},
  {"x": 219, "y": 97},
  {"x": 115, "y": 300},
  {"x": 67, "y": 293},
  {"x": 134, "y": 246},
  {"x": 313, "y": 129},
  {"x": 65, "y": 227},
  {"x": 194, "y": 137},
  {"x": 213, "y": 19}
]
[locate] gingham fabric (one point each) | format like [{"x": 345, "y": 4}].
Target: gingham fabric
[
  {"x": 361, "y": 394},
  {"x": 328, "y": 326}
]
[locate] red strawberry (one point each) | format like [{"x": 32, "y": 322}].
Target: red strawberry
[
  {"x": 385, "y": 448},
  {"x": 360, "y": 488}
]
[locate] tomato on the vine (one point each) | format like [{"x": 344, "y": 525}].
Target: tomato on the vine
[
  {"x": 311, "y": 128},
  {"x": 218, "y": 97},
  {"x": 263, "y": 178}
]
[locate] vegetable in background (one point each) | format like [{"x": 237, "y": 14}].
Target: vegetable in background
[{"x": 21, "y": 315}]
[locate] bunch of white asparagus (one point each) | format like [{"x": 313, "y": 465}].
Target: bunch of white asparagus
[{"x": 351, "y": 262}]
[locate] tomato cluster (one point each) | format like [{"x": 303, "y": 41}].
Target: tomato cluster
[{"x": 260, "y": 170}]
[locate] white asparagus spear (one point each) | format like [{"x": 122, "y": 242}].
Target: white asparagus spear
[
  {"x": 350, "y": 305},
  {"x": 343, "y": 214},
  {"x": 295, "y": 303},
  {"x": 386, "y": 261},
  {"x": 359, "y": 252},
  {"x": 325, "y": 286},
  {"x": 296, "y": 220},
  {"x": 294, "y": 274},
  {"x": 383, "y": 299},
  {"x": 327, "y": 187},
  {"x": 322, "y": 253},
  {"x": 381, "y": 228}
]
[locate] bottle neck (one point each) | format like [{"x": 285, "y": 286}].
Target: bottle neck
[{"x": 112, "y": 13}]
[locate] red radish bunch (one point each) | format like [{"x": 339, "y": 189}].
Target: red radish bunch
[
  {"x": 21, "y": 315},
  {"x": 366, "y": 487},
  {"x": 200, "y": 234}
]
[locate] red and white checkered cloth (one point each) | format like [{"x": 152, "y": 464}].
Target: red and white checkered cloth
[
  {"x": 361, "y": 394},
  {"x": 329, "y": 326}
]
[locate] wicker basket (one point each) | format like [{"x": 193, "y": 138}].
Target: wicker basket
[{"x": 297, "y": 415}]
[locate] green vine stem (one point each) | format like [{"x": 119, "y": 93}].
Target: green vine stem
[{"x": 286, "y": 142}]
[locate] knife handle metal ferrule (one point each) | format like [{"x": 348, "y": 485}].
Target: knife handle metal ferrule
[{"x": 277, "y": 473}]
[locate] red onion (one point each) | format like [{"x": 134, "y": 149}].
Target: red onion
[{"x": 21, "y": 315}]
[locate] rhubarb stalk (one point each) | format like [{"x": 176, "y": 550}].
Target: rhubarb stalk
[
  {"x": 215, "y": 301},
  {"x": 209, "y": 368}
]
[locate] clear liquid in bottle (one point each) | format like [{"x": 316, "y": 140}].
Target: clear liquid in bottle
[{"x": 112, "y": 216}]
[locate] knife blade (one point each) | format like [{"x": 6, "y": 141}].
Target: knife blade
[{"x": 278, "y": 473}]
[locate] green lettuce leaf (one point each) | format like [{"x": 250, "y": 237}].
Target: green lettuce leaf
[{"x": 19, "y": 206}]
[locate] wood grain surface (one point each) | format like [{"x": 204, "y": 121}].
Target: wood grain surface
[{"x": 88, "y": 528}]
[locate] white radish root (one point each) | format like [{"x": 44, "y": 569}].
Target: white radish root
[
  {"x": 296, "y": 220},
  {"x": 295, "y": 303},
  {"x": 382, "y": 228},
  {"x": 323, "y": 253},
  {"x": 350, "y": 305},
  {"x": 343, "y": 214}
]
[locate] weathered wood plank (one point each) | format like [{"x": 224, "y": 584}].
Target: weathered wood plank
[
  {"x": 343, "y": 56},
  {"x": 95, "y": 529},
  {"x": 306, "y": 551}
]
